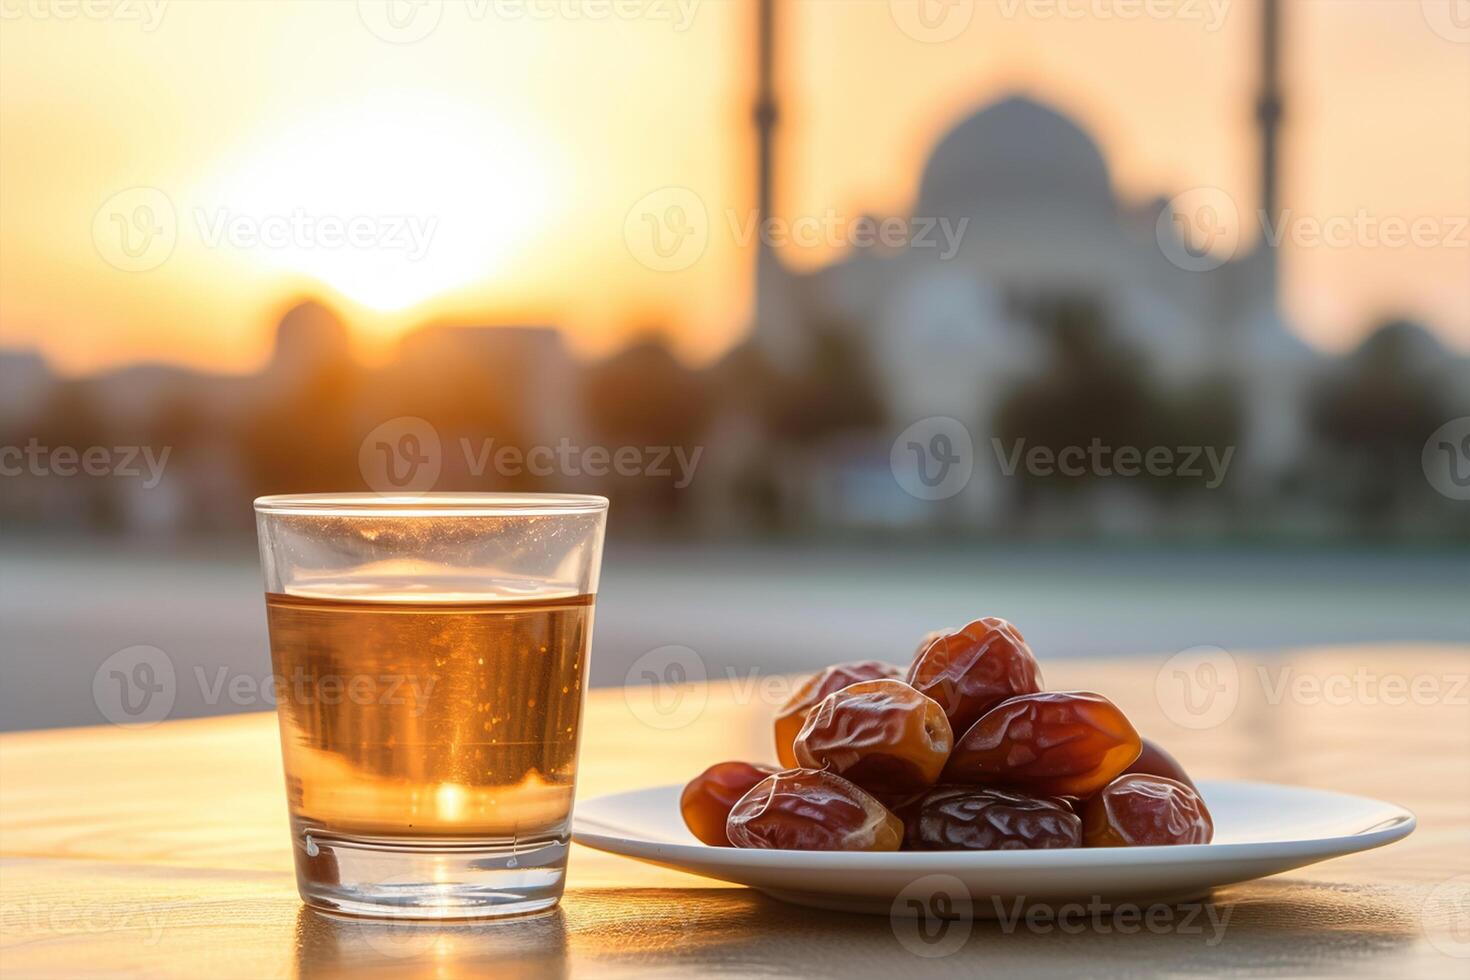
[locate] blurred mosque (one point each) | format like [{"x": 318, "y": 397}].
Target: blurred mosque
[{"x": 943, "y": 334}]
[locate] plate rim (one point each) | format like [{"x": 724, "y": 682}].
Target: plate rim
[{"x": 1393, "y": 828}]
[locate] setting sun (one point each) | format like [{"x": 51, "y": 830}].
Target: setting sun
[{"x": 389, "y": 203}]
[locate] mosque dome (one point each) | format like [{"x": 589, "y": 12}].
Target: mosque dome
[{"x": 1015, "y": 148}]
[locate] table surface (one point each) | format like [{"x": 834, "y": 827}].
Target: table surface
[{"x": 162, "y": 851}]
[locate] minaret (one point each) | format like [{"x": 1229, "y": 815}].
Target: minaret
[
  {"x": 765, "y": 105},
  {"x": 774, "y": 325},
  {"x": 1268, "y": 115}
]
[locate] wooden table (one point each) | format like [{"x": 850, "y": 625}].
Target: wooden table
[{"x": 162, "y": 851}]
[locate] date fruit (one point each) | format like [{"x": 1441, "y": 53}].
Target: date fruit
[
  {"x": 964, "y": 818},
  {"x": 811, "y": 691},
  {"x": 972, "y": 670},
  {"x": 927, "y": 639},
  {"x": 1139, "y": 809},
  {"x": 1155, "y": 761},
  {"x": 883, "y": 735},
  {"x": 1058, "y": 743},
  {"x": 812, "y": 810},
  {"x": 706, "y": 801}
]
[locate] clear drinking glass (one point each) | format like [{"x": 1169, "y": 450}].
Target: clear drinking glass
[{"x": 430, "y": 660}]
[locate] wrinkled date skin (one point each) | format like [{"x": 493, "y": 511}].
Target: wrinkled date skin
[
  {"x": 927, "y": 639},
  {"x": 1155, "y": 761},
  {"x": 812, "y": 810},
  {"x": 972, "y": 670},
  {"x": 883, "y": 735},
  {"x": 1058, "y": 743},
  {"x": 706, "y": 801},
  {"x": 793, "y": 713},
  {"x": 1137, "y": 810},
  {"x": 963, "y": 818}
]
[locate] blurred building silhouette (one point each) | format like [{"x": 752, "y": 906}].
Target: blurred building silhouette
[
  {"x": 1064, "y": 316},
  {"x": 1027, "y": 194},
  {"x": 954, "y": 336}
]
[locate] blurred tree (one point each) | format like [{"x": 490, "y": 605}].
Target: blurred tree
[
  {"x": 70, "y": 418},
  {"x": 746, "y": 392},
  {"x": 644, "y": 397},
  {"x": 481, "y": 388},
  {"x": 833, "y": 391},
  {"x": 1094, "y": 388},
  {"x": 301, "y": 436},
  {"x": 1372, "y": 413}
]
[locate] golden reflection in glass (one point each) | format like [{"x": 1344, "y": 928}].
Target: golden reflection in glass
[{"x": 430, "y": 719}]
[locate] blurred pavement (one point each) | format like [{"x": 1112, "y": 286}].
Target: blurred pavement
[{"x": 65, "y": 608}]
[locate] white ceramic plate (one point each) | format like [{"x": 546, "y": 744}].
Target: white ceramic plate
[{"x": 1260, "y": 829}]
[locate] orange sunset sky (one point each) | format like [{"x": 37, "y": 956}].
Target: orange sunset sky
[{"x": 528, "y": 132}]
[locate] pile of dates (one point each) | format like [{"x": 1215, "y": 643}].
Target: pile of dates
[{"x": 961, "y": 751}]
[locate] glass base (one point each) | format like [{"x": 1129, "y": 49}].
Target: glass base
[{"x": 418, "y": 879}]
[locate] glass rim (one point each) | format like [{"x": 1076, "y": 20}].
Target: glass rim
[{"x": 411, "y": 505}]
